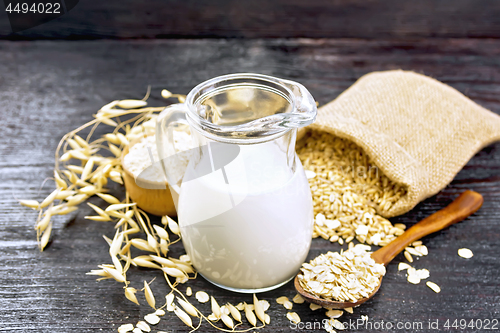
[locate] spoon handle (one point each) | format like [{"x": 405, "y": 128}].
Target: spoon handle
[{"x": 464, "y": 205}]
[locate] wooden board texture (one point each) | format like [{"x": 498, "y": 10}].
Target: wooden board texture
[
  {"x": 263, "y": 18},
  {"x": 48, "y": 88}
]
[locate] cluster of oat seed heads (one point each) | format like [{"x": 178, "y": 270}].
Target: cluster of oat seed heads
[
  {"x": 230, "y": 315},
  {"x": 82, "y": 171}
]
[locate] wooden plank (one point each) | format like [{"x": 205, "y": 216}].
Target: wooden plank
[
  {"x": 48, "y": 88},
  {"x": 261, "y": 18}
]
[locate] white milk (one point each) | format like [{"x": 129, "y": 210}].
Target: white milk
[{"x": 255, "y": 232}]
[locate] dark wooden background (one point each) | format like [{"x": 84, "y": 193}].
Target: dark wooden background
[
  {"x": 269, "y": 18},
  {"x": 48, "y": 88}
]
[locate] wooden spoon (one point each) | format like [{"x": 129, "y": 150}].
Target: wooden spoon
[{"x": 466, "y": 204}]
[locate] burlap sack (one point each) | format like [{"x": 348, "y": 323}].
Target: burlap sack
[{"x": 417, "y": 130}]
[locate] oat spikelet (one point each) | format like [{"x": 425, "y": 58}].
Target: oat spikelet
[
  {"x": 59, "y": 181},
  {"x": 45, "y": 237},
  {"x": 87, "y": 169},
  {"x": 113, "y": 273},
  {"x": 99, "y": 211},
  {"x": 141, "y": 244},
  {"x": 173, "y": 226},
  {"x": 165, "y": 93},
  {"x": 44, "y": 222},
  {"x": 250, "y": 315},
  {"x": 183, "y": 316},
  {"x": 30, "y": 203},
  {"x": 215, "y": 307},
  {"x": 174, "y": 272},
  {"x": 130, "y": 295},
  {"x": 131, "y": 103},
  {"x": 162, "y": 233},
  {"x": 259, "y": 311},
  {"x": 108, "y": 198},
  {"x": 150, "y": 298},
  {"x": 188, "y": 307},
  {"x": 227, "y": 320},
  {"x": 119, "y": 206},
  {"x": 234, "y": 312},
  {"x": 49, "y": 199}
]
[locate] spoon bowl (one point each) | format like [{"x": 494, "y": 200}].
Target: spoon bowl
[{"x": 464, "y": 205}]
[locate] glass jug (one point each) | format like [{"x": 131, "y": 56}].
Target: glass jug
[{"x": 244, "y": 205}]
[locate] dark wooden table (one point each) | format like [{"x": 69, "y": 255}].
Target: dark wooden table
[{"x": 48, "y": 88}]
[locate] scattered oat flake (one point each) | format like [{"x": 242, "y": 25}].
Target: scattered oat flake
[
  {"x": 143, "y": 326},
  {"x": 310, "y": 174},
  {"x": 281, "y": 300},
  {"x": 364, "y": 317},
  {"x": 189, "y": 291},
  {"x": 288, "y": 305},
  {"x": 403, "y": 266},
  {"x": 350, "y": 310},
  {"x": 423, "y": 273},
  {"x": 413, "y": 278},
  {"x": 160, "y": 312},
  {"x": 170, "y": 302},
  {"x": 152, "y": 318},
  {"x": 334, "y": 313},
  {"x": 125, "y": 328},
  {"x": 293, "y": 317},
  {"x": 408, "y": 256},
  {"x": 265, "y": 304},
  {"x": 465, "y": 253},
  {"x": 298, "y": 299},
  {"x": 422, "y": 249},
  {"x": 314, "y": 307},
  {"x": 202, "y": 296},
  {"x": 137, "y": 330},
  {"x": 338, "y": 325},
  {"x": 433, "y": 286}
]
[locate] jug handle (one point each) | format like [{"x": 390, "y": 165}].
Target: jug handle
[{"x": 171, "y": 117}]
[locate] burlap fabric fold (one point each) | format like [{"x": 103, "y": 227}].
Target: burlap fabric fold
[{"x": 417, "y": 130}]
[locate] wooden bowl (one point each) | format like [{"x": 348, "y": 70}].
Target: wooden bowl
[{"x": 153, "y": 201}]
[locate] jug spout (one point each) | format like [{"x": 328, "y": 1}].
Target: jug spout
[{"x": 305, "y": 106}]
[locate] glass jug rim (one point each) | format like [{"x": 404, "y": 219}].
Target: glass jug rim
[{"x": 259, "y": 130}]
